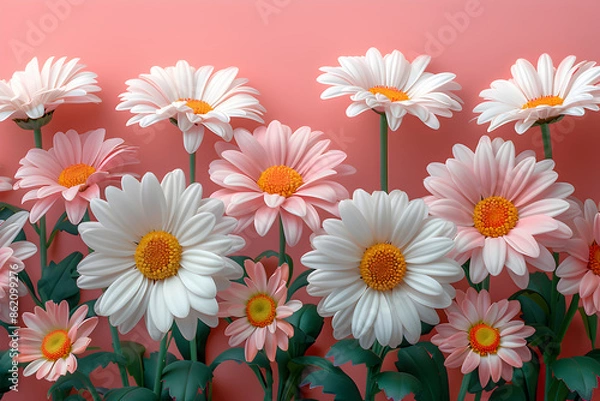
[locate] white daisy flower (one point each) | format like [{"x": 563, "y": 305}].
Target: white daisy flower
[
  {"x": 195, "y": 99},
  {"x": 540, "y": 96},
  {"x": 390, "y": 84},
  {"x": 382, "y": 269},
  {"x": 160, "y": 253}
]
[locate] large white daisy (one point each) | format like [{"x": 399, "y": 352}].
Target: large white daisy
[
  {"x": 160, "y": 253},
  {"x": 382, "y": 269},
  {"x": 539, "y": 96},
  {"x": 390, "y": 84},
  {"x": 196, "y": 99}
]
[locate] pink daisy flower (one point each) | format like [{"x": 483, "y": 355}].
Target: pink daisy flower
[
  {"x": 12, "y": 255},
  {"x": 482, "y": 334},
  {"x": 579, "y": 272},
  {"x": 505, "y": 207},
  {"x": 275, "y": 172},
  {"x": 260, "y": 306},
  {"x": 52, "y": 339},
  {"x": 72, "y": 170}
]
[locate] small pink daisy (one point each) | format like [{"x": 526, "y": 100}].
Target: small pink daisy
[
  {"x": 579, "y": 272},
  {"x": 52, "y": 339},
  {"x": 12, "y": 255},
  {"x": 482, "y": 334},
  {"x": 506, "y": 208},
  {"x": 275, "y": 172},
  {"x": 261, "y": 308},
  {"x": 72, "y": 170}
]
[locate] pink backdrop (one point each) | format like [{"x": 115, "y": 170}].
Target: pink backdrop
[{"x": 279, "y": 45}]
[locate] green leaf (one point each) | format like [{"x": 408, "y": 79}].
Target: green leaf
[
  {"x": 75, "y": 397},
  {"x": 508, "y": 392},
  {"x": 6, "y": 371},
  {"x": 59, "y": 281},
  {"x": 88, "y": 363},
  {"x": 558, "y": 391},
  {"x": 237, "y": 355},
  {"x": 307, "y": 326},
  {"x": 534, "y": 307},
  {"x": 64, "y": 384},
  {"x": 416, "y": 361},
  {"x": 439, "y": 359},
  {"x": 349, "y": 350},
  {"x": 134, "y": 360},
  {"x": 579, "y": 373},
  {"x": 475, "y": 385},
  {"x": 267, "y": 254},
  {"x": 150, "y": 371},
  {"x": 185, "y": 378},
  {"x": 299, "y": 282},
  {"x": 331, "y": 378},
  {"x": 397, "y": 385},
  {"x": 526, "y": 377},
  {"x": 591, "y": 325},
  {"x": 67, "y": 226},
  {"x": 183, "y": 345},
  {"x": 130, "y": 394}
]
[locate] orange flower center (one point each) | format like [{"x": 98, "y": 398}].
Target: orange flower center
[
  {"x": 495, "y": 216},
  {"x": 594, "y": 259},
  {"x": 282, "y": 180},
  {"x": 198, "y": 106},
  {"x": 56, "y": 345},
  {"x": 382, "y": 267},
  {"x": 75, "y": 174},
  {"x": 261, "y": 310},
  {"x": 157, "y": 255},
  {"x": 395, "y": 95},
  {"x": 484, "y": 339},
  {"x": 543, "y": 101}
]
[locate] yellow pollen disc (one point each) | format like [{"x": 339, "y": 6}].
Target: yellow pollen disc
[
  {"x": 395, "y": 95},
  {"x": 484, "y": 339},
  {"x": 199, "y": 106},
  {"x": 56, "y": 345},
  {"x": 495, "y": 216},
  {"x": 594, "y": 260},
  {"x": 544, "y": 101},
  {"x": 382, "y": 267},
  {"x": 261, "y": 310},
  {"x": 157, "y": 255},
  {"x": 75, "y": 174},
  {"x": 282, "y": 180}
]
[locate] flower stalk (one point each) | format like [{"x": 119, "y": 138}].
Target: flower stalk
[{"x": 383, "y": 152}]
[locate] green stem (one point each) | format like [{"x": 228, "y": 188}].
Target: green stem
[
  {"x": 282, "y": 251},
  {"x": 548, "y": 380},
  {"x": 478, "y": 396},
  {"x": 568, "y": 317},
  {"x": 192, "y": 167},
  {"x": 259, "y": 376},
  {"x": 269, "y": 387},
  {"x": 160, "y": 365},
  {"x": 24, "y": 278},
  {"x": 43, "y": 243},
  {"x": 55, "y": 230},
  {"x": 371, "y": 386},
  {"x": 383, "y": 152},
  {"x": 37, "y": 137},
  {"x": 116, "y": 343},
  {"x": 193, "y": 350},
  {"x": 463, "y": 388},
  {"x": 485, "y": 284},
  {"x": 89, "y": 385},
  {"x": 547, "y": 141}
]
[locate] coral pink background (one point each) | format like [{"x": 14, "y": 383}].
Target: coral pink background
[{"x": 279, "y": 45}]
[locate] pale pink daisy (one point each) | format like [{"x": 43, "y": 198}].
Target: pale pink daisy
[
  {"x": 12, "y": 255},
  {"x": 32, "y": 93},
  {"x": 579, "y": 272},
  {"x": 505, "y": 207},
  {"x": 5, "y": 184},
  {"x": 540, "y": 96},
  {"x": 260, "y": 307},
  {"x": 276, "y": 172},
  {"x": 52, "y": 339},
  {"x": 483, "y": 334},
  {"x": 392, "y": 85},
  {"x": 74, "y": 170},
  {"x": 193, "y": 98}
]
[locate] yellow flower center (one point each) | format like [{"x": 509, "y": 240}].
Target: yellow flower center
[
  {"x": 395, "y": 95},
  {"x": 495, "y": 216},
  {"x": 594, "y": 259},
  {"x": 157, "y": 255},
  {"x": 282, "y": 180},
  {"x": 543, "y": 101},
  {"x": 484, "y": 339},
  {"x": 56, "y": 345},
  {"x": 261, "y": 310},
  {"x": 382, "y": 267},
  {"x": 198, "y": 106},
  {"x": 75, "y": 174}
]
